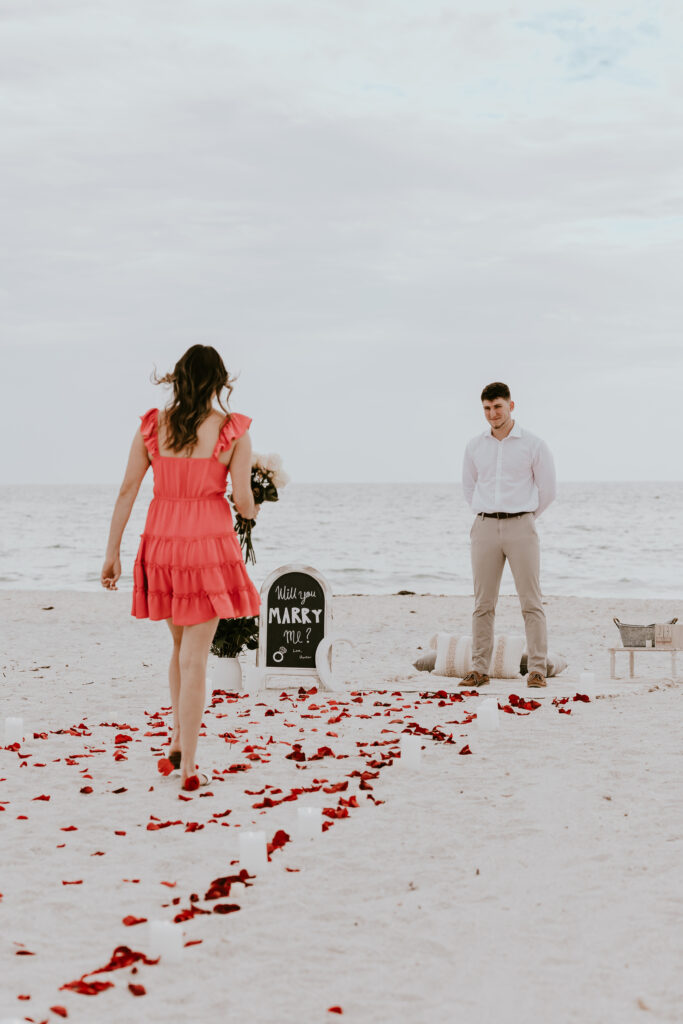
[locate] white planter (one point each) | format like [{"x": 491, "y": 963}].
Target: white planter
[{"x": 226, "y": 674}]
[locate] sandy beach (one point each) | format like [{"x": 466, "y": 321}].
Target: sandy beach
[{"x": 537, "y": 877}]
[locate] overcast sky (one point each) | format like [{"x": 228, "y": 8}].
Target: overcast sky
[{"x": 372, "y": 208}]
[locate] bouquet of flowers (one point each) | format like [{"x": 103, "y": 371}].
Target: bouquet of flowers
[
  {"x": 232, "y": 636},
  {"x": 267, "y": 477}
]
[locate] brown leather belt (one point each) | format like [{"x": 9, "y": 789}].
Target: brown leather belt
[{"x": 503, "y": 515}]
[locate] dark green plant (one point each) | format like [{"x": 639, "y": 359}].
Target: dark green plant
[{"x": 232, "y": 636}]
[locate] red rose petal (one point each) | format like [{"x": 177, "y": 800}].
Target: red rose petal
[
  {"x": 137, "y": 990},
  {"x": 123, "y": 956},
  {"x": 164, "y": 766},
  {"x": 520, "y": 702},
  {"x": 130, "y": 920},
  {"x": 465, "y": 749},
  {"x": 280, "y": 839},
  {"x": 61, "y": 1010},
  {"x": 88, "y": 988},
  {"x": 334, "y": 1009}
]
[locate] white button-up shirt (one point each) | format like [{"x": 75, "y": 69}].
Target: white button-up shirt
[{"x": 516, "y": 474}]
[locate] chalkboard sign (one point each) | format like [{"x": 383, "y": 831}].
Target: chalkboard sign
[{"x": 295, "y": 616}]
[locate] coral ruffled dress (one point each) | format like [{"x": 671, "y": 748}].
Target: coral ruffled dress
[{"x": 189, "y": 566}]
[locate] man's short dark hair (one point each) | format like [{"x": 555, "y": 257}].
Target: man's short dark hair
[{"x": 495, "y": 390}]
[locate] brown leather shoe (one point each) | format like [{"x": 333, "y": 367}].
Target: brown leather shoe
[
  {"x": 474, "y": 679},
  {"x": 536, "y": 679}
]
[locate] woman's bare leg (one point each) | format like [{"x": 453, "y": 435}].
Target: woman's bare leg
[
  {"x": 194, "y": 653},
  {"x": 174, "y": 683}
]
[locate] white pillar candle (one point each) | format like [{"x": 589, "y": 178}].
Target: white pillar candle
[
  {"x": 488, "y": 718},
  {"x": 587, "y": 678},
  {"x": 411, "y": 751},
  {"x": 309, "y": 822},
  {"x": 253, "y": 852},
  {"x": 14, "y": 731},
  {"x": 166, "y": 941}
]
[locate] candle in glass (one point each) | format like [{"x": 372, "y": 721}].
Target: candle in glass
[
  {"x": 14, "y": 731},
  {"x": 253, "y": 852},
  {"x": 488, "y": 718},
  {"x": 256, "y": 678},
  {"x": 411, "y": 751},
  {"x": 166, "y": 941},
  {"x": 309, "y": 822}
]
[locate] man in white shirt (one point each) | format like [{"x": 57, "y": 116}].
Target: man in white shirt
[{"x": 508, "y": 479}]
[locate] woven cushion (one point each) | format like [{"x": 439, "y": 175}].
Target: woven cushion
[
  {"x": 454, "y": 656},
  {"x": 555, "y": 664},
  {"x": 425, "y": 661}
]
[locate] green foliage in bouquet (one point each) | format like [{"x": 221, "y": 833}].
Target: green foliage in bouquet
[{"x": 232, "y": 636}]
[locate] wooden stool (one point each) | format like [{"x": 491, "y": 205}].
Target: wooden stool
[{"x": 613, "y": 651}]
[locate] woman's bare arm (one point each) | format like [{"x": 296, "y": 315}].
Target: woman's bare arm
[
  {"x": 138, "y": 464},
  {"x": 240, "y": 475}
]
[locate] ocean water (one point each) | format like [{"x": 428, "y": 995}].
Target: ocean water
[{"x": 597, "y": 539}]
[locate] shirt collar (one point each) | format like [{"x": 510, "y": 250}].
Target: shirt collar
[{"x": 515, "y": 432}]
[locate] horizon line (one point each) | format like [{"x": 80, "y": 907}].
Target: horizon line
[{"x": 340, "y": 483}]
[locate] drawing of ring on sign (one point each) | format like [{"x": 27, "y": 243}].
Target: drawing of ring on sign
[{"x": 279, "y": 655}]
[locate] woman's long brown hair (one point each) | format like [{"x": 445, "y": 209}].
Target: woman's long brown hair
[{"x": 198, "y": 375}]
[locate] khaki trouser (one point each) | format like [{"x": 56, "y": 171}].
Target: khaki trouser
[{"x": 494, "y": 540}]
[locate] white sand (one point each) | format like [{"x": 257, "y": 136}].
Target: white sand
[{"x": 538, "y": 879}]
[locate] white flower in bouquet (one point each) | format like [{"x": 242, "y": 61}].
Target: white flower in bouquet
[
  {"x": 280, "y": 478},
  {"x": 271, "y": 463}
]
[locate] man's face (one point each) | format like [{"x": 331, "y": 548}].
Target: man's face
[{"x": 498, "y": 412}]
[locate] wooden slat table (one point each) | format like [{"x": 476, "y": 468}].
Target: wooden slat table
[{"x": 613, "y": 651}]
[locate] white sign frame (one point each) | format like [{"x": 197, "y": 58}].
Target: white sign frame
[{"x": 284, "y": 677}]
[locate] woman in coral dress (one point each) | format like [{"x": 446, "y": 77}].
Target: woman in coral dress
[{"x": 189, "y": 569}]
